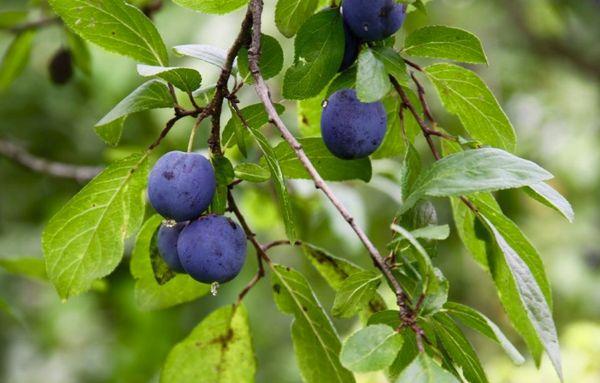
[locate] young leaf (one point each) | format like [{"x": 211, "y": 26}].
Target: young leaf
[
  {"x": 219, "y": 350},
  {"x": 291, "y": 14},
  {"x": 372, "y": 348},
  {"x": 319, "y": 49},
  {"x": 329, "y": 167},
  {"x": 511, "y": 269},
  {"x": 464, "y": 94},
  {"x": 150, "y": 95},
  {"x": 186, "y": 79},
  {"x": 224, "y": 174},
  {"x": 393, "y": 62},
  {"x": 254, "y": 115},
  {"x": 477, "y": 321},
  {"x": 251, "y": 172},
  {"x": 437, "y": 293},
  {"x": 149, "y": 293},
  {"x": 355, "y": 292},
  {"x": 271, "y": 59},
  {"x": 372, "y": 82},
  {"x": 438, "y": 41},
  {"x": 432, "y": 232},
  {"x": 316, "y": 342},
  {"x": 212, "y": 6},
  {"x": 458, "y": 347},
  {"x": 207, "y": 53},
  {"x": 84, "y": 241},
  {"x": 545, "y": 194},
  {"x": 15, "y": 59},
  {"x": 335, "y": 271},
  {"x": 473, "y": 171},
  {"x": 424, "y": 370},
  {"x": 422, "y": 257},
  {"x": 278, "y": 180},
  {"x": 31, "y": 267},
  {"x": 116, "y": 26}
]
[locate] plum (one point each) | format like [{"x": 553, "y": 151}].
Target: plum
[
  {"x": 350, "y": 128},
  {"x": 181, "y": 185},
  {"x": 373, "y": 20},
  {"x": 166, "y": 241},
  {"x": 351, "y": 48},
  {"x": 212, "y": 249}
]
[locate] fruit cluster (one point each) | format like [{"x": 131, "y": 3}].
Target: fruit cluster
[
  {"x": 181, "y": 186},
  {"x": 350, "y": 128},
  {"x": 210, "y": 248}
]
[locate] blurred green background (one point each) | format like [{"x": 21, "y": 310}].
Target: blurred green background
[{"x": 545, "y": 70}]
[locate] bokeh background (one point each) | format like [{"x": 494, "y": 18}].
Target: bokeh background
[{"x": 545, "y": 70}]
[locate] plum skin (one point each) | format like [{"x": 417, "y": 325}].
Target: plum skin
[
  {"x": 166, "y": 242},
  {"x": 212, "y": 249},
  {"x": 373, "y": 20},
  {"x": 352, "y": 129},
  {"x": 181, "y": 185}
]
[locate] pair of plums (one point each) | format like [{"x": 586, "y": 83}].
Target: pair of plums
[
  {"x": 210, "y": 248},
  {"x": 350, "y": 128}
]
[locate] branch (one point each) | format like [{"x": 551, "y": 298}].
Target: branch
[
  {"x": 264, "y": 94},
  {"x": 41, "y": 23},
  {"x": 22, "y": 157}
]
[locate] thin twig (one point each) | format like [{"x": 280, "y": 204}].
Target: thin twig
[
  {"x": 22, "y": 157},
  {"x": 37, "y": 24}
]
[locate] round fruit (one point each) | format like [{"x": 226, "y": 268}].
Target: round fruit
[
  {"x": 181, "y": 185},
  {"x": 212, "y": 249},
  {"x": 352, "y": 129},
  {"x": 166, "y": 241},
  {"x": 373, "y": 20}
]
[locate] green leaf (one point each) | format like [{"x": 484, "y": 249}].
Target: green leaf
[
  {"x": 355, "y": 292},
  {"x": 422, "y": 257},
  {"x": 9, "y": 19},
  {"x": 251, "y": 172},
  {"x": 15, "y": 58},
  {"x": 432, "y": 232},
  {"x": 424, "y": 370},
  {"x": 473, "y": 171},
  {"x": 225, "y": 175},
  {"x": 344, "y": 80},
  {"x": 115, "y": 26},
  {"x": 278, "y": 180},
  {"x": 81, "y": 54},
  {"x": 319, "y": 49},
  {"x": 309, "y": 115},
  {"x": 291, "y": 14},
  {"x": 31, "y": 267},
  {"x": 84, "y": 241},
  {"x": 335, "y": 271},
  {"x": 438, "y": 41},
  {"x": 464, "y": 94},
  {"x": 459, "y": 348},
  {"x": 545, "y": 194},
  {"x": 372, "y": 348},
  {"x": 212, "y": 6},
  {"x": 316, "y": 342},
  {"x": 150, "y": 95},
  {"x": 394, "y": 63},
  {"x": 329, "y": 167},
  {"x": 437, "y": 293},
  {"x": 511, "y": 269},
  {"x": 372, "y": 82},
  {"x": 207, "y": 53},
  {"x": 271, "y": 59},
  {"x": 149, "y": 293},
  {"x": 254, "y": 115},
  {"x": 477, "y": 321},
  {"x": 186, "y": 79},
  {"x": 218, "y": 350}
]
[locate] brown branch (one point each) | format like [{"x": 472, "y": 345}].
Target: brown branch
[
  {"x": 264, "y": 94},
  {"x": 22, "y": 157}
]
